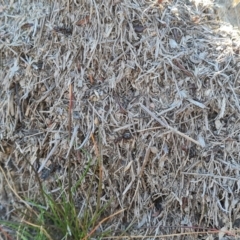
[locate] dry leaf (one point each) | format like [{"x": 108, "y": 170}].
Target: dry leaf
[
  {"x": 83, "y": 21},
  {"x": 96, "y": 121},
  {"x": 154, "y": 150},
  {"x": 201, "y": 105},
  {"x": 201, "y": 141},
  {"x": 91, "y": 79},
  {"x": 26, "y": 25},
  {"x": 223, "y": 108},
  {"x": 128, "y": 166},
  {"x": 195, "y": 19},
  {"x": 218, "y": 124},
  {"x": 173, "y": 43},
  {"x": 179, "y": 65}
]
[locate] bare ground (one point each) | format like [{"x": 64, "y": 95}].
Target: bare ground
[{"x": 156, "y": 86}]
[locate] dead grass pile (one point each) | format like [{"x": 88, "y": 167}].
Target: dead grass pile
[{"x": 157, "y": 84}]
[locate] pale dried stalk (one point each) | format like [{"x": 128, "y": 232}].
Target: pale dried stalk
[{"x": 169, "y": 127}]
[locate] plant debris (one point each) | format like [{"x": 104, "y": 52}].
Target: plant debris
[
  {"x": 83, "y": 21},
  {"x": 155, "y": 84}
]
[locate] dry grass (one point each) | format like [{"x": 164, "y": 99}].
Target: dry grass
[{"x": 156, "y": 86}]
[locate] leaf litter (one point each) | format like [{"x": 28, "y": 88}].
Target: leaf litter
[{"x": 157, "y": 83}]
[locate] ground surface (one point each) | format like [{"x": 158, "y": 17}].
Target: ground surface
[{"x": 157, "y": 86}]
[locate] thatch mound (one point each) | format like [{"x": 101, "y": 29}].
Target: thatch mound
[{"x": 155, "y": 86}]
